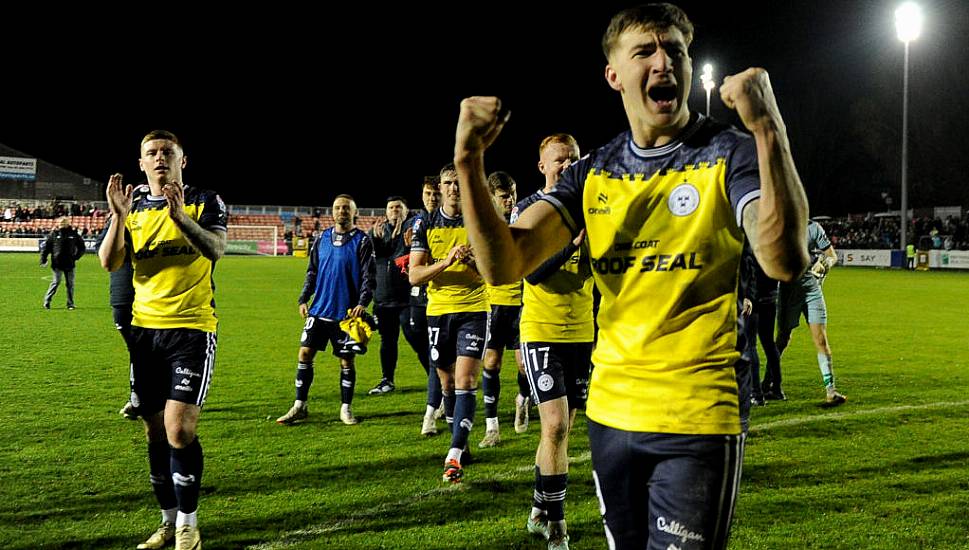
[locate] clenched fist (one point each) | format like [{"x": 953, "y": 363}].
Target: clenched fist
[{"x": 479, "y": 123}]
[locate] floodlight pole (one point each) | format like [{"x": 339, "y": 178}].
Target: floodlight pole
[
  {"x": 904, "y": 216},
  {"x": 908, "y": 25}
]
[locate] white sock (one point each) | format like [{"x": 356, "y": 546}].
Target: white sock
[
  {"x": 299, "y": 403},
  {"x": 429, "y": 410},
  {"x": 491, "y": 424},
  {"x": 186, "y": 519},
  {"x": 537, "y": 512},
  {"x": 453, "y": 453},
  {"x": 168, "y": 516}
]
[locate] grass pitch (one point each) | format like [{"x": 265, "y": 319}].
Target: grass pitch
[{"x": 887, "y": 470}]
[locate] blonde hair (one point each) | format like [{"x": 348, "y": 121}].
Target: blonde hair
[{"x": 564, "y": 139}]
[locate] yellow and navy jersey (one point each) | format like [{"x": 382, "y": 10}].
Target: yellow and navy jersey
[
  {"x": 459, "y": 288},
  {"x": 557, "y": 298},
  {"x": 663, "y": 227},
  {"x": 505, "y": 295},
  {"x": 173, "y": 281}
]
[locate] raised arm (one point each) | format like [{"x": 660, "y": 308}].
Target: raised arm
[
  {"x": 209, "y": 242},
  {"x": 503, "y": 254},
  {"x": 776, "y": 224},
  {"x": 111, "y": 252},
  {"x": 422, "y": 271}
]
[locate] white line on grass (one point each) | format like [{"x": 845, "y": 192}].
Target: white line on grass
[
  {"x": 292, "y": 538},
  {"x": 798, "y": 420},
  {"x": 298, "y": 536}
]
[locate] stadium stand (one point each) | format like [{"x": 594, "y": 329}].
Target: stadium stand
[{"x": 307, "y": 224}]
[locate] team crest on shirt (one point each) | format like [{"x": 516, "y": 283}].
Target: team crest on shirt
[{"x": 684, "y": 200}]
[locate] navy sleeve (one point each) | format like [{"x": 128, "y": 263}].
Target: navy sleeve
[
  {"x": 214, "y": 213},
  {"x": 368, "y": 270},
  {"x": 419, "y": 237},
  {"x": 743, "y": 175},
  {"x": 551, "y": 265},
  {"x": 309, "y": 284},
  {"x": 567, "y": 196}
]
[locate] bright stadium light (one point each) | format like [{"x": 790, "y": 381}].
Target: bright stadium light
[
  {"x": 908, "y": 21},
  {"x": 707, "y": 79},
  {"x": 908, "y": 25}
]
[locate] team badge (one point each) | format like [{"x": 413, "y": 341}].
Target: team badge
[
  {"x": 545, "y": 382},
  {"x": 435, "y": 354},
  {"x": 684, "y": 200}
]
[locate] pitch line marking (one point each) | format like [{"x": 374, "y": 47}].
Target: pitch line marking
[
  {"x": 796, "y": 421},
  {"x": 299, "y": 536}
]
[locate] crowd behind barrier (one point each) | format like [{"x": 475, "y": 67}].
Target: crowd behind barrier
[
  {"x": 874, "y": 231},
  {"x": 32, "y": 218}
]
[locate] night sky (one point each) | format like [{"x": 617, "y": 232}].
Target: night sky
[{"x": 281, "y": 107}]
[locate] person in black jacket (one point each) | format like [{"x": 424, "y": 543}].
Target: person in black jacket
[
  {"x": 392, "y": 307},
  {"x": 65, "y": 247},
  {"x": 122, "y": 295}
]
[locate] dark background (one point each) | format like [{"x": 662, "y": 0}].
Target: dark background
[{"x": 294, "y": 105}]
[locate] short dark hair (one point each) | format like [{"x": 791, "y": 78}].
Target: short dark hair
[
  {"x": 393, "y": 198},
  {"x": 646, "y": 16},
  {"x": 500, "y": 181},
  {"x": 432, "y": 181}
]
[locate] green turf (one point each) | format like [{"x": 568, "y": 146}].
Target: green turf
[{"x": 887, "y": 470}]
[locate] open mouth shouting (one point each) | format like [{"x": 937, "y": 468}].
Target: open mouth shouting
[{"x": 664, "y": 95}]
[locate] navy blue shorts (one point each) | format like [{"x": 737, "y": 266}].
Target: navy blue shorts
[
  {"x": 456, "y": 334},
  {"x": 122, "y": 321},
  {"x": 317, "y": 332},
  {"x": 558, "y": 369},
  {"x": 659, "y": 491},
  {"x": 170, "y": 364},
  {"x": 503, "y": 327}
]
